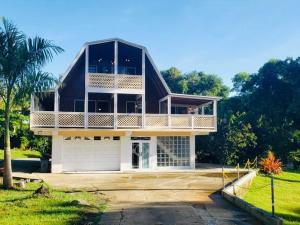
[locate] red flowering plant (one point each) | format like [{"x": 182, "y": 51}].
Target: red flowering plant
[{"x": 270, "y": 165}]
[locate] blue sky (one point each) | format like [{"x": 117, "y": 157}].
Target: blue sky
[{"x": 214, "y": 36}]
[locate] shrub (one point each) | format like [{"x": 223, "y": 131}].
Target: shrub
[
  {"x": 270, "y": 165},
  {"x": 294, "y": 157},
  {"x": 24, "y": 143}
]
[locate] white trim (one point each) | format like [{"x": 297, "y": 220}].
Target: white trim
[
  {"x": 116, "y": 60},
  {"x": 115, "y": 39},
  {"x": 164, "y": 98},
  {"x": 115, "y": 90},
  {"x": 195, "y": 96},
  {"x": 169, "y": 111}
]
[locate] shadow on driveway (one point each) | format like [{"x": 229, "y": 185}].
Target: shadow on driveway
[{"x": 29, "y": 165}]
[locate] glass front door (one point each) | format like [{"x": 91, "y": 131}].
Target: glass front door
[{"x": 140, "y": 155}]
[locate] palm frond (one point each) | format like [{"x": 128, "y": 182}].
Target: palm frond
[{"x": 42, "y": 50}]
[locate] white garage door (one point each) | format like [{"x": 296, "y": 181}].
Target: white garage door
[{"x": 90, "y": 155}]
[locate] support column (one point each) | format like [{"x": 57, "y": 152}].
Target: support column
[
  {"x": 215, "y": 114},
  {"x": 56, "y": 108},
  {"x": 126, "y": 153},
  {"x": 86, "y": 95},
  {"x": 192, "y": 152},
  {"x": 153, "y": 153},
  {"x": 144, "y": 90},
  {"x": 116, "y": 63},
  {"x": 115, "y": 110},
  {"x": 169, "y": 111},
  {"x": 56, "y": 161}
]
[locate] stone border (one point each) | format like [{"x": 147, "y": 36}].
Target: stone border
[{"x": 234, "y": 191}]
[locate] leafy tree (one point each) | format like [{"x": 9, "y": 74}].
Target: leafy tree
[
  {"x": 173, "y": 76},
  {"x": 239, "y": 80},
  {"x": 21, "y": 62}
]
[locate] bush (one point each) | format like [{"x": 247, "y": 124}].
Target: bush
[
  {"x": 270, "y": 165},
  {"x": 24, "y": 143},
  {"x": 294, "y": 157}
]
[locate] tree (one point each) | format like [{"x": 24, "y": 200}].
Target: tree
[
  {"x": 173, "y": 76},
  {"x": 239, "y": 80},
  {"x": 200, "y": 83},
  {"x": 21, "y": 62}
]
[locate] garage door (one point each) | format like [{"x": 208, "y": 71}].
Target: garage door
[{"x": 87, "y": 154}]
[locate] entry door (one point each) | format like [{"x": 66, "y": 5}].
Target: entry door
[{"x": 140, "y": 154}]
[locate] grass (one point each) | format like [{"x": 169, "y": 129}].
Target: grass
[
  {"x": 287, "y": 195},
  {"x": 19, "y": 154},
  {"x": 20, "y": 207}
]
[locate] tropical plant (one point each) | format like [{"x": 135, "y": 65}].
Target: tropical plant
[
  {"x": 270, "y": 165},
  {"x": 21, "y": 63},
  {"x": 294, "y": 157}
]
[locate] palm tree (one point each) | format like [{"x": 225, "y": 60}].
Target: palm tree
[{"x": 21, "y": 62}]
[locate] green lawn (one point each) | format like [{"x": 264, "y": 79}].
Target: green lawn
[
  {"x": 18, "y": 154},
  {"x": 19, "y": 207},
  {"x": 287, "y": 195}
]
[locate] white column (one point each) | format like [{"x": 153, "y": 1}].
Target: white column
[
  {"x": 153, "y": 153},
  {"x": 215, "y": 113},
  {"x": 56, "y": 161},
  {"x": 115, "y": 110},
  {"x": 86, "y": 95},
  {"x": 144, "y": 90},
  {"x": 116, "y": 63},
  {"x": 126, "y": 153},
  {"x": 192, "y": 152},
  {"x": 169, "y": 111},
  {"x": 56, "y": 108}
]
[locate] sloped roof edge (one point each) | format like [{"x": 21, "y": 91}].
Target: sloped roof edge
[{"x": 83, "y": 48}]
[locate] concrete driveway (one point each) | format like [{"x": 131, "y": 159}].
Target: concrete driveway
[{"x": 160, "y": 198}]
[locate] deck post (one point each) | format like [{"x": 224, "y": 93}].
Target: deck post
[
  {"x": 86, "y": 95},
  {"x": 144, "y": 83},
  {"x": 215, "y": 113},
  {"x": 115, "y": 110},
  {"x": 56, "y": 108},
  {"x": 169, "y": 111}
]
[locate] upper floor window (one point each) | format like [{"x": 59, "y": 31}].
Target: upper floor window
[
  {"x": 129, "y": 60},
  {"x": 101, "y": 58}
]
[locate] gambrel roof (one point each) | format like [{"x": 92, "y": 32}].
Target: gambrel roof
[{"x": 83, "y": 48}]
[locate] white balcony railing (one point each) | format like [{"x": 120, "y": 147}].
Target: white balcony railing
[
  {"x": 120, "y": 120},
  {"x": 118, "y": 81}
]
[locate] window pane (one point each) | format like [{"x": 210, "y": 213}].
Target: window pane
[{"x": 173, "y": 151}]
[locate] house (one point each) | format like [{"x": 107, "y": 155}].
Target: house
[{"x": 113, "y": 111}]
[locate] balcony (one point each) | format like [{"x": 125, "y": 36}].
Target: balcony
[
  {"x": 47, "y": 119},
  {"x": 120, "y": 82}
]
